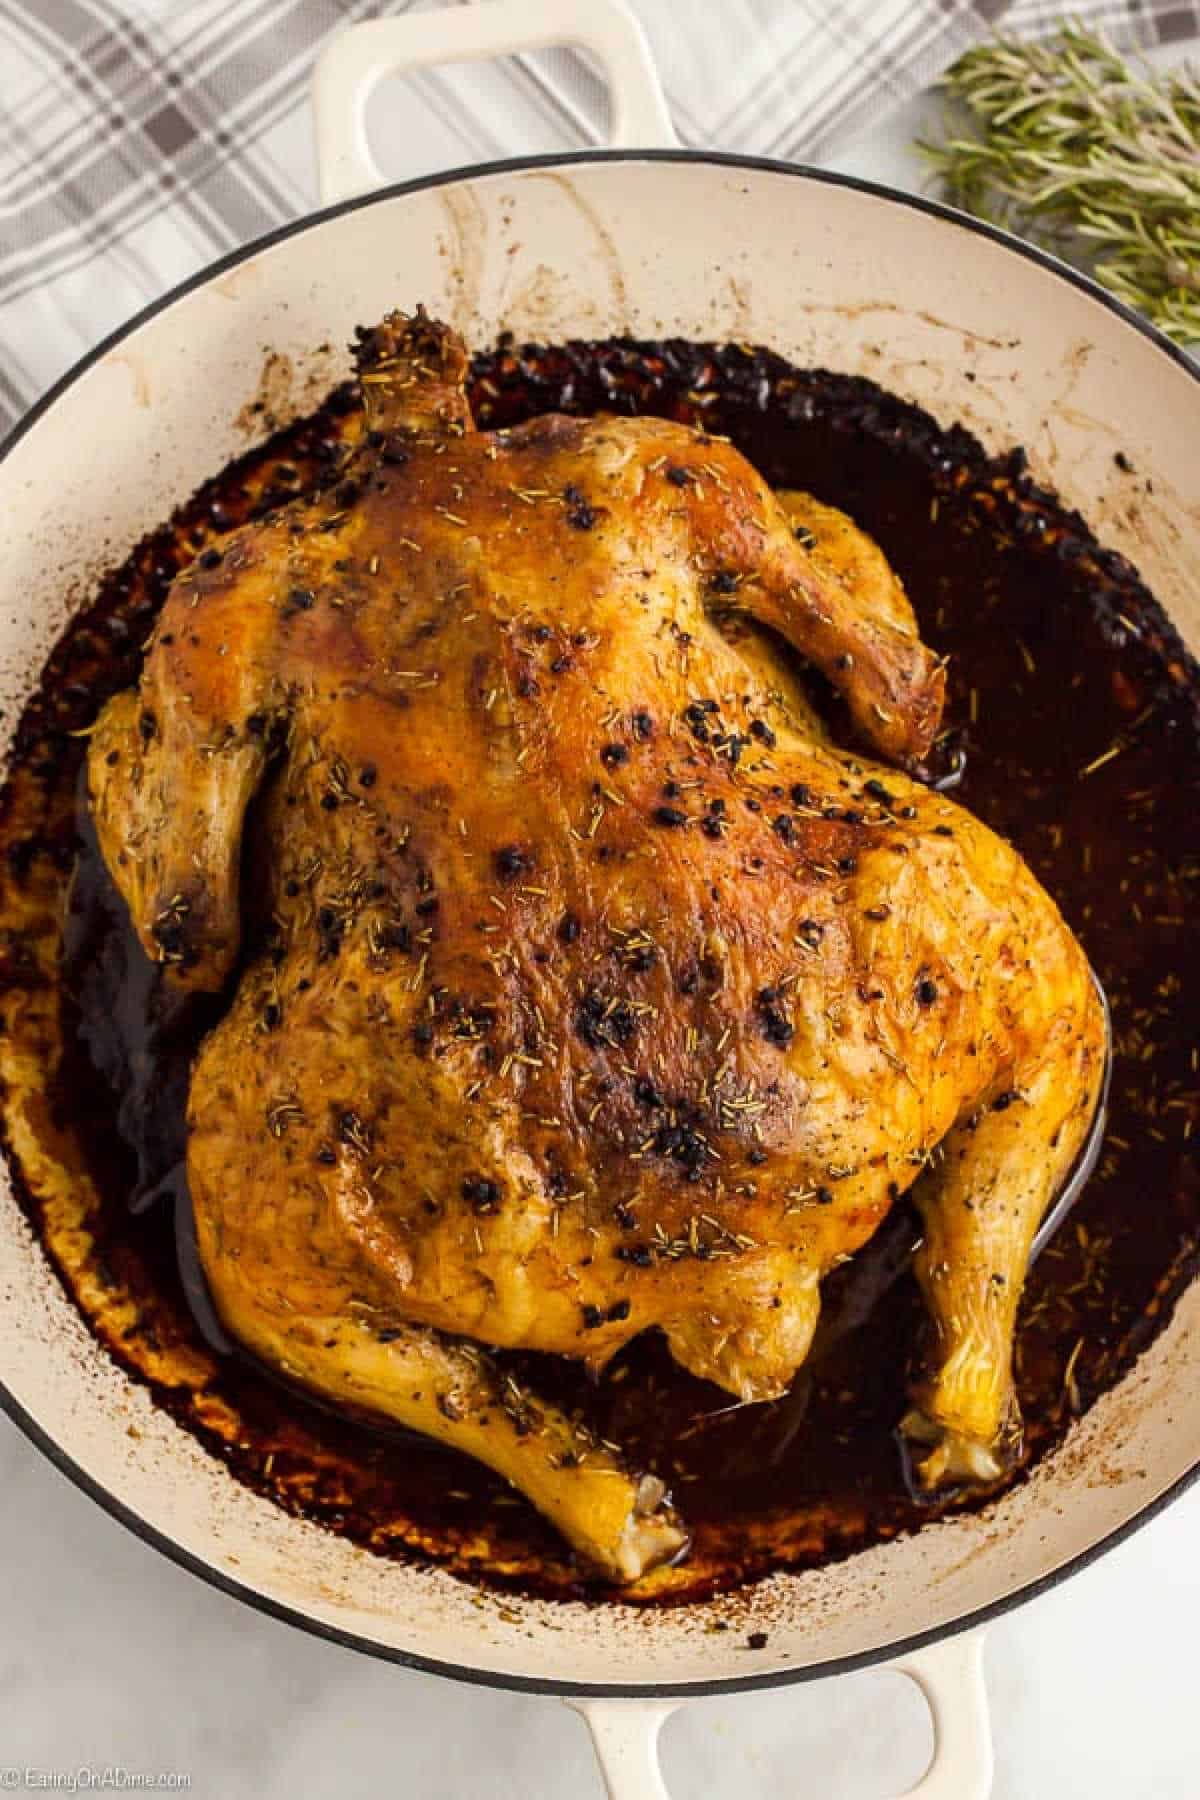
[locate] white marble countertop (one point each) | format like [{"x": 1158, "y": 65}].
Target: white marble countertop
[{"x": 110, "y": 1655}]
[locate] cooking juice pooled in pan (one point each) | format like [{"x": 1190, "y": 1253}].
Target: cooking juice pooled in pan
[{"x": 1073, "y": 728}]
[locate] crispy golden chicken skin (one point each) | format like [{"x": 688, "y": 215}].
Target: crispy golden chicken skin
[{"x": 590, "y": 986}]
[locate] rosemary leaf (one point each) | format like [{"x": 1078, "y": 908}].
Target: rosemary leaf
[{"x": 1091, "y": 154}]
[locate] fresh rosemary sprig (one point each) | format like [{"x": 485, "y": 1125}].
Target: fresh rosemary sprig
[{"x": 1090, "y": 154}]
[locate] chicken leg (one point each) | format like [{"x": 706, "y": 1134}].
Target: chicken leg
[{"x": 996, "y": 1173}]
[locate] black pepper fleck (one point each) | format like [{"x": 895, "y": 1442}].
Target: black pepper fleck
[
  {"x": 483, "y": 1195},
  {"x": 512, "y": 861}
]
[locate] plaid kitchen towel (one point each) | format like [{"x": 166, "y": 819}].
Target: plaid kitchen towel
[{"x": 141, "y": 139}]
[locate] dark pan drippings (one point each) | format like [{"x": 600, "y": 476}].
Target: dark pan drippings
[{"x": 1073, "y": 728}]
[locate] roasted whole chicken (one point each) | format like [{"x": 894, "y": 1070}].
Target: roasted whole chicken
[{"x": 578, "y": 981}]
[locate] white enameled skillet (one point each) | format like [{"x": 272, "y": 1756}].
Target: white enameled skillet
[{"x": 650, "y": 240}]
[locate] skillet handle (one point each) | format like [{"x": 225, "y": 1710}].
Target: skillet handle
[
  {"x": 353, "y": 61},
  {"x": 949, "y": 1674}
]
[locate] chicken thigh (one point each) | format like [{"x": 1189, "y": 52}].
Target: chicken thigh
[{"x": 577, "y": 982}]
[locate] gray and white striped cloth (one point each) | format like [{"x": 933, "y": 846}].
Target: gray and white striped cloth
[{"x": 141, "y": 139}]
